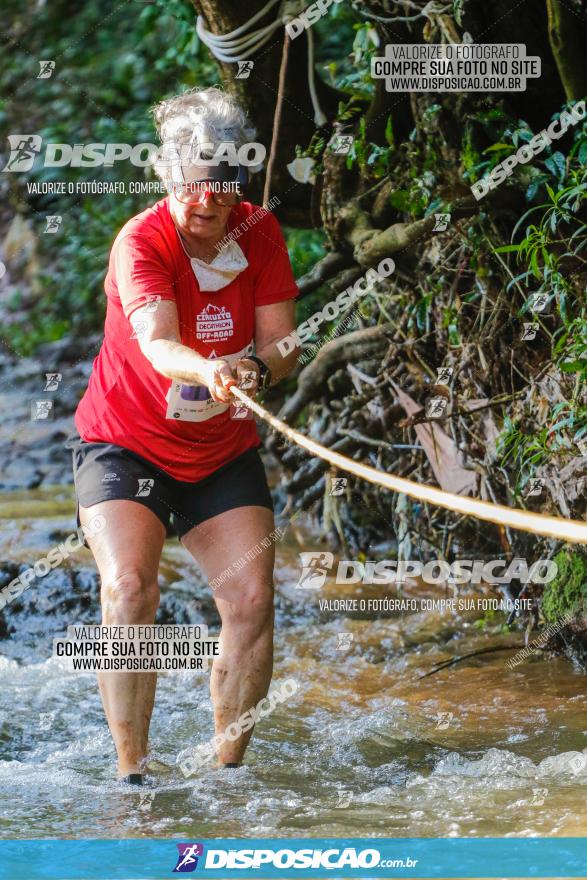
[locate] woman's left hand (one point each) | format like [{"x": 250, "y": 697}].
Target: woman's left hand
[{"x": 247, "y": 373}]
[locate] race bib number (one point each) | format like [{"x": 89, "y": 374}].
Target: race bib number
[{"x": 193, "y": 403}]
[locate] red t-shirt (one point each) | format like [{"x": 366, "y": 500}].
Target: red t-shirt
[{"x": 179, "y": 427}]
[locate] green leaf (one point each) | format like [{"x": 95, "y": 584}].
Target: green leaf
[
  {"x": 557, "y": 163},
  {"x": 532, "y": 190},
  {"x": 400, "y": 199},
  {"x": 573, "y": 366},
  {"x": 507, "y": 249},
  {"x": 495, "y": 148},
  {"x": 389, "y": 132}
]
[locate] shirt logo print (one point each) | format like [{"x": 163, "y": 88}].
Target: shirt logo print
[{"x": 214, "y": 323}]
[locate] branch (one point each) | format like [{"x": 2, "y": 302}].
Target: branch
[
  {"x": 321, "y": 272},
  {"x": 312, "y": 379},
  {"x": 371, "y": 245},
  {"x": 460, "y": 659}
]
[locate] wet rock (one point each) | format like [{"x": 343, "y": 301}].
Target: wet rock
[
  {"x": 48, "y": 605},
  {"x": 32, "y": 448},
  {"x": 21, "y": 473},
  {"x": 19, "y": 249},
  {"x": 72, "y": 596},
  {"x": 69, "y": 350},
  {"x": 174, "y": 608}
]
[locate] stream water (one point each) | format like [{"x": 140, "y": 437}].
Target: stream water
[{"x": 364, "y": 747}]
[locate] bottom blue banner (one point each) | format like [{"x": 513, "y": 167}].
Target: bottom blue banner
[{"x": 552, "y": 857}]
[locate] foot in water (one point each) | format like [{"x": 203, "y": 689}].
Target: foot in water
[{"x": 132, "y": 779}]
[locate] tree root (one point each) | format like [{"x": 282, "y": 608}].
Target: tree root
[
  {"x": 325, "y": 269},
  {"x": 334, "y": 354}
]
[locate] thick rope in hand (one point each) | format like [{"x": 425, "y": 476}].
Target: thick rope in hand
[{"x": 569, "y": 530}]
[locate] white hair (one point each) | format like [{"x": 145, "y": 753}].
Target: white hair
[{"x": 197, "y": 117}]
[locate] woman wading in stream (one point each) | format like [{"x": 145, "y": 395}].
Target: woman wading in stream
[{"x": 190, "y": 312}]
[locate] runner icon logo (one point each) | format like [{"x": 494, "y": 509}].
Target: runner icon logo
[
  {"x": 244, "y": 69},
  {"x": 441, "y": 222},
  {"x": 435, "y": 407},
  {"x": 240, "y": 411},
  {"x": 52, "y": 381},
  {"x": 46, "y": 69},
  {"x": 249, "y": 378},
  {"x": 338, "y": 485},
  {"x": 444, "y": 719},
  {"x": 530, "y": 330},
  {"x": 344, "y": 641},
  {"x": 41, "y": 409},
  {"x": 53, "y": 223},
  {"x": 444, "y": 375},
  {"x": 187, "y": 860},
  {"x": 538, "y": 302},
  {"x": 536, "y": 486},
  {"x": 139, "y": 328},
  {"x": 315, "y": 567},
  {"x": 342, "y": 144},
  {"x": 24, "y": 149}
]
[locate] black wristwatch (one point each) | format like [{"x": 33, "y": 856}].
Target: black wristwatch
[{"x": 264, "y": 371}]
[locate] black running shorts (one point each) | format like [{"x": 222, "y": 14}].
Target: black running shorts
[{"x": 106, "y": 472}]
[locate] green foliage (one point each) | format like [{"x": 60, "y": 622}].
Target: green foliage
[
  {"x": 548, "y": 167},
  {"x": 356, "y": 78},
  {"x": 305, "y": 247},
  {"x": 110, "y": 68},
  {"x": 551, "y": 250},
  {"x": 523, "y": 452},
  {"x": 450, "y": 322},
  {"x": 567, "y": 592},
  {"x": 524, "y": 448},
  {"x": 551, "y": 255},
  {"x": 371, "y": 159},
  {"x": 492, "y": 622}
]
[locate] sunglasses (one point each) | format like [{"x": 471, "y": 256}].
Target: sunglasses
[{"x": 224, "y": 193}]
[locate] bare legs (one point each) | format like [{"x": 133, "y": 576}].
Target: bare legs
[
  {"x": 242, "y": 673},
  {"x": 127, "y": 554}
]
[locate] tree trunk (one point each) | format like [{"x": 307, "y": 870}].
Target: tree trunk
[
  {"x": 567, "y": 30},
  {"x": 258, "y": 95}
]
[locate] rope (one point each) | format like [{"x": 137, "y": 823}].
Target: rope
[
  {"x": 239, "y": 46},
  {"x": 319, "y": 117},
  {"x": 230, "y": 41},
  {"x": 276, "y": 118},
  {"x": 569, "y": 530}
]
